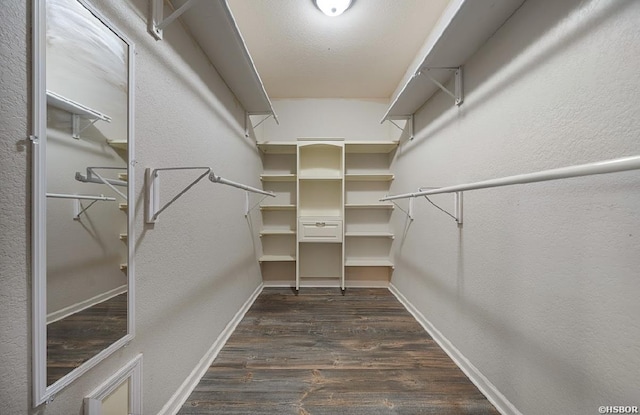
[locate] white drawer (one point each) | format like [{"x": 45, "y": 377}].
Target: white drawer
[{"x": 320, "y": 230}]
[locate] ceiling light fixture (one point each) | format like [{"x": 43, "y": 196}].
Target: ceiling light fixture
[{"x": 333, "y": 7}]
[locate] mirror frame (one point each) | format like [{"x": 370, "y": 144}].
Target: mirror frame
[{"x": 41, "y": 392}]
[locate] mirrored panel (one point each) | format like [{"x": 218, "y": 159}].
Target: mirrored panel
[{"x": 82, "y": 249}]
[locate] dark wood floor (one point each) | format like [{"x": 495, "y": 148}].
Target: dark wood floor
[
  {"x": 324, "y": 353},
  {"x": 80, "y": 336}
]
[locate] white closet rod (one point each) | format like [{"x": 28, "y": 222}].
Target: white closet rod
[
  {"x": 600, "y": 167},
  {"x": 153, "y": 208},
  {"x": 222, "y": 180},
  {"x": 87, "y": 197},
  {"x": 89, "y": 178}
]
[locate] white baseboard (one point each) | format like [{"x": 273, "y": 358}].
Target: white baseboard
[
  {"x": 485, "y": 386},
  {"x": 83, "y": 305},
  {"x": 180, "y": 396}
]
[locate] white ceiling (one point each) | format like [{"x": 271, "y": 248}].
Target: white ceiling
[{"x": 364, "y": 53}]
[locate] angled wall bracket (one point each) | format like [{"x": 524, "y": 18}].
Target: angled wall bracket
[
  {"x": 158, "y": 22},
  {"x": 409, "y": 124},
  {"x": 457, "y": 204},
  {"x": 152, "y": 190},
  {"x": 247, "y": 120},
  {"x": 408, "y": 212},
  {"x": 457, "y": 93}
]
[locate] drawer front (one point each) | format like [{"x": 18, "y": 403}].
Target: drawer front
[{"x": 320, "y": 230}]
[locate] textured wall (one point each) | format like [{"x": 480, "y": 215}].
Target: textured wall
[
  {"x": 14, "y": 208},
  {"x": 196, "y": 267},
  {"x": 352, "y": 119},
  {"x": 539, "y": 288}
]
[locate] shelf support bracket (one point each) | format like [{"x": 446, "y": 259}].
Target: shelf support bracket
[
  {"x": 409, "y": 119},
  {"x": 76, "y": 130},
  {"x": 247, "y": 121},
  {"x": 457, "y": 208},
  {"x": 409, "y": 212},
  {"x": 247, "y": 207},
  {"x": 457, "y": 93},
  {"x": 152, "y": 190},
  {"x": 157, "y": 22}
]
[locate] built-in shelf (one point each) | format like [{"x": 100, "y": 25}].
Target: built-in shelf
[
  {"x": 277, "y": 207},
  {"x": 463, "y": 28},
  {"x": 319, "y": 177},
  {"x": 214, "y": 29},
  {"x": 75, "y": 108},
  {"x": 277, "y": 258},
  {"x": 119, "y": 144},
  {"x": 367, "y": 262},
  {"x": 368, "y": 177},
  {"x": 278, "y": 177},
  {"x": 277, "y": 232},
  {"x": 369, "y": 206},
  {"x": 277, "y": 147},
  {"x": 370, "y": 147},
  {"x": 369, "y": 234}
]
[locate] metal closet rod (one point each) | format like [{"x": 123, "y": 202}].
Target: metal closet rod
[
  {"x": 153, "y": 209},
  {"x": 222, "y": 180},
  {"x": 83, "y": 197},
  {"x": 600, "y": 167}
]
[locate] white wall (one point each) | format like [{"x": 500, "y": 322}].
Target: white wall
[
  {"x": 14, "y": 210},
  {"x": 352, "y": 119},
  {"x": 195, "y": 268},
  {"x": 539, "y": 288}
]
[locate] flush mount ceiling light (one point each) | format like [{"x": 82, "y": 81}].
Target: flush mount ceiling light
[{"x": 333, "y": 7}]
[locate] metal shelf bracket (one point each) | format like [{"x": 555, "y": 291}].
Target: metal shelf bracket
[
  {"x": 157, "y": 22},
  {"x": 409, "y": 120},
  {"x": 152, "y": 187},
  {"x": 248, "y": 121},
  {"x": 457, "y": 93}
]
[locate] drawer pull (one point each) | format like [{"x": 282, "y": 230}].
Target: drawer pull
[{"x": 321, "y": 224}]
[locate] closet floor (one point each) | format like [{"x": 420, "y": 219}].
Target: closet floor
[{"x": 320, "y": 352}]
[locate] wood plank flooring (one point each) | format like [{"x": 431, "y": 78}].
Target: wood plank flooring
[
  {"x": 320, "y": 353},
  {"x": 80, "y": 336}
]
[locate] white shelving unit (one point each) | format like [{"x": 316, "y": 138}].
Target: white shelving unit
[
  {"x": 320, "y": 212},
  {"x": 278, "y": 233},
  {"x": 336, "y": 192},
  {"x": 213, "y": 27},
  {"x": 463, "y": 28},
  {"x": 368, "y": 238}
]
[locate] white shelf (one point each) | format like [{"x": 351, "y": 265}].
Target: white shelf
[
  {"x": 369, "y": 177},
  {"x": 278, "y": 177},
  {"x": 320, "y": 177},
  {"x": 277, "y": 258},
  {"x": 58, "y": 101},
  {"x": 277, "y": 147},
  {"x": 368, "y": 262},
  {"x": 119, "y": 144},
  {"x": 370, "y": 147},
  {"x": 369, "y": 234},
  {"x": 463, "y": 28},
  {"x": 215, "y": 31},
  {"x": 277, "y": 232},
  {"x": 369, "y": 206},
  {"x": 278, "y": 207}
]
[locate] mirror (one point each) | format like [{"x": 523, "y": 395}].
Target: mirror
[{"x": 83, "y": 145}]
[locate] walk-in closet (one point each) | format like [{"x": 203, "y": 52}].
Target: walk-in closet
[{"x": 319, "y": 207}]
